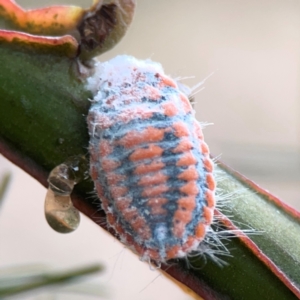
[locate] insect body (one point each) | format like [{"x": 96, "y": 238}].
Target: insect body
[{"x": 148, "y": 160}]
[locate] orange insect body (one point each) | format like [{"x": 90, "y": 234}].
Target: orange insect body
[{"x": 149, "y": 162}]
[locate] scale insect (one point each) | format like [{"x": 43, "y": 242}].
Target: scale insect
[{"x": 148, "y": 160}]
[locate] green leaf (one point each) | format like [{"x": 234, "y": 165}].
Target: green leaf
[
  {"x": 4, "y": 185},
  {"x": 21, "y": 284}
]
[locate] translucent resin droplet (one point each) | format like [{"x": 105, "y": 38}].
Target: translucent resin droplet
[
  {"x": 61, "y": 181},
  {"x": 60, "y": 213}
]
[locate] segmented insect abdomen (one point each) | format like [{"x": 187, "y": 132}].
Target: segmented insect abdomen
[{"x": 149, "y": 162}]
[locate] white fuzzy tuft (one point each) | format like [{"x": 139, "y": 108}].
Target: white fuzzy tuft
[{"x": 119, "y": 71}]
